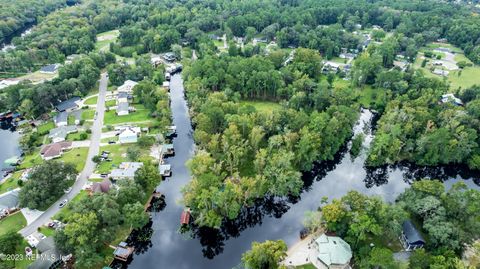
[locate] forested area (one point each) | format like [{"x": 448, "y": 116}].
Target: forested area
[
  {"x": 15, "y": 15},
  {"x": 246, "y": 154}
]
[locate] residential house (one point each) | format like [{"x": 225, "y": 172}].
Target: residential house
[
  {"x": 55, "y": 150},
  {"x": 50, "y": 69},
  {"x": 125, "y": 170},
  {"x": 451, "y": 98},
  {"x": 68, "y": 105},
  {"x": 411, "y": 239},
  {"x": 129, "y": 135},
  {"x": 169, "y": 57},
  {"x": 59, "y": 134},
  {"x": 330, "y": 67},
  {"x": 123, "y": 109},
  {"x": 101, "y": 187},
  {"x": 9, "y": 202},
  {"x": 402, "y": 65},
  {"x": 49, "y": 255},
  {"x": 156, "y": 60},
  {"x": 333, "y": 252},
  {"x": 167, "y": 149},
  {"x": 127, "y": 86},
  {"x": 71, "y": 57},
  {"x": 61, "y": 119},
  {"x": 34, "y": 239}
]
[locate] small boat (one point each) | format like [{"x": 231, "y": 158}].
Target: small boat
[{"x": 185, "y": 217}]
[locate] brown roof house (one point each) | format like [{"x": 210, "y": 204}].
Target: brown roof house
[
  {"x": 101, "y": 187},
  {"x": 55, "y": 150}
]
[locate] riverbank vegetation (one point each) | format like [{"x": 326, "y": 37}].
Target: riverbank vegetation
[{"x": 447, "y": 219}]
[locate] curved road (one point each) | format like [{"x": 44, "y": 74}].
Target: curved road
[{"x": 89, "y": 165}]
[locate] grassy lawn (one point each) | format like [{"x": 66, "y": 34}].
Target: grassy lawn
[
  {"x": 46, "y": 127},
  {"x": 31, "y": 160},
  {"x": 263, "y": 106},
  {"x": 67, "y": 210},
  {"x": 71, "y": 120},
  {"x": 104, "y": 39},
  {"x": 37, "y": 77},
  {"x": 47, "y": 231},
  {"x": 306, "y": 266},
  {"x": 338, "y": 60},
  {"x": 465, "y": 78},
  {"x": 76, "y": 136},
  {"x": 142, "y": 114},
  {"x": 105, "y": 140},
  {"x": 444, "y": 45},
  {"x": 110, "y": 103},
  {"x": 91, "y": 100},
  {"x": 77, "y": 156},
  {"x": 13, "y": 223},
  {"x": 370, "y": 96},
  {"x": 88, "y": 114},
  {"x": 10, "y": 183},
  {"x": 117, "y": 153}
]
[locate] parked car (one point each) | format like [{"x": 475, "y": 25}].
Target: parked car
[
  {"x": 63, "y": 203},
  {"x": 68, "y": 190},
  {"x": 111, "y": 142}
]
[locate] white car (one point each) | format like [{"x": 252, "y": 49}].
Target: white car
[
  {"x": 68, "y": 190},
  {"x": 63, "y": 203}
]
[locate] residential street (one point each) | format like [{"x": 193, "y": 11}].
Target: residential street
[{"x": 89, "y": 165}]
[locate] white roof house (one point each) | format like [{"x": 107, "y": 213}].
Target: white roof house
[
  {"x": 60, "y": 133},
  {"x": 129, "y": 135},
  {"x": 125, "y": 170},
  {"x": 127, "y": 86},
  {"x": 8, "y": 82},
  {"x": 449, "y": 97},
  {"x": 440, "y": 72},
  {"x": 123, "y": 109},
  {"x": 333, "y": 251}
]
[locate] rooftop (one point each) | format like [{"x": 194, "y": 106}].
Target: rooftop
[
  {"x": 51, "y": 68},
  {"x": 411, "y": 233},
  {"x": 333, "y": 250},
  {"x": 68, "y": 104}
]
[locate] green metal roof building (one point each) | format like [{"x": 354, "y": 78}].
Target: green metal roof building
[{"x": 333, "y": 252}]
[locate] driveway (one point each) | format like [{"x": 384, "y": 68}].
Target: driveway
[{"x": 89, "y": 165}]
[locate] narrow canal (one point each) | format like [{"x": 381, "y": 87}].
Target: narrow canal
[
  {"x": 271, "y": 218},
  {"x": 8, "y": 147}
]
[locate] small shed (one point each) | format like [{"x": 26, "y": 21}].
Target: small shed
[
  {"x": 165, "y": 170},
  {"x": 123, "y": 251},
  {"x": 167, "y": 149},
  {"x": 411, "y": 238}
]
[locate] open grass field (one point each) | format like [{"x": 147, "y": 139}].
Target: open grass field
[
  {"x": 88, "y": 114},
  {"x": 465, "y": 78},
  {"x": 263, "y": 106},
  {"x": 369, "y": 96},
  {"x": 91, "y": 101},
  {"x": 110, "y": 103},
  {"x": 31, "y": 160},
  {"x": 141, "y": 115},
  {"x": 37, "y": 77},
  {"x": 12, "y": 223},
  {"x": 104, "y": 39},
  {"x": 77, "y": 156}
]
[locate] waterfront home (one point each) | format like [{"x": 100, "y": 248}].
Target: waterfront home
[
  {"x": 411, "y": 239},
  {"x": 127, "y": 86},
  {"x": 59, "y": 134},
  {"x": 48, "y": 255},
  {"x": 330, "y": 67},
  {"x": 68, "y": 105},
  {"x": 169, "y": 57},
  {"x": 123, "y": 251},
  {"x": 61, "y": 119},
  {"x": 125, "y": 170},
  {"x": 333, "y": 252},
  {"x": 9, "y": 202},
  {"x": 156, "y": 60},
  {"x": 50, "y": 69},
  {"x": 55, "y": 150},
  {"x": 34, "y": 239},
  {"x": 129, "y": 135},
  {"x": 167, "y": 149},
  {"x": 166, "y": 85}
]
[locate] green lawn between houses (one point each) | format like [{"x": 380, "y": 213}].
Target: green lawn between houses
[
  {"x": 46, "y": 127},
  {"x": 91, "y": 100},
  {"x": 88, "y": 114},
  {"x": 12, "y": 223},
  {"x": 77, "y": 156},
  {"x": 141, "y": 115}
]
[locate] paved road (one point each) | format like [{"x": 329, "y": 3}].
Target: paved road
[{"x": 89, "y": 165}]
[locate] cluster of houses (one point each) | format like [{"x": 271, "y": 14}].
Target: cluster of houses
[{"x": 124, "y": 96}]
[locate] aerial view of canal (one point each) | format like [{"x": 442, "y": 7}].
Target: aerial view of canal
[
  {"x": 271, "y": 218},
  {"x": 8, "y": 147}
]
